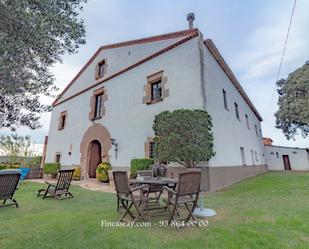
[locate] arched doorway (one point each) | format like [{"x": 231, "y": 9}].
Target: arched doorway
[
  {"x": 101, "y": 135},
  {"x": 94, "y": 157}
]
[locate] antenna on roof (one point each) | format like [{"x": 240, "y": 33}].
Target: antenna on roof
[{"x": 190, "y": 18}]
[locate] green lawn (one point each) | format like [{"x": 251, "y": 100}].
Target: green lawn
[{"x": 269, "y": 211}]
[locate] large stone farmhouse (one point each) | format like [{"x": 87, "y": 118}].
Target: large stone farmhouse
[{"x": 106, "y": 112}]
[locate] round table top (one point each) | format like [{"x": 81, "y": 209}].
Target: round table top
[{"x": 154, "y": 180}]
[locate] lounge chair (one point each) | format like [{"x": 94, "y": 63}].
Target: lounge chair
[
  {"x": 8, "y": 184},
  {"x": 61, "y": 188}
]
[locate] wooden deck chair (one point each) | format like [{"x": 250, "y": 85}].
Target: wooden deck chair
[
  {"x": 186, "y": 194},
  {"x": 8, "y": 184},
  {"x": 61, "y": 188},
  {"x": 126, "y": 197}
]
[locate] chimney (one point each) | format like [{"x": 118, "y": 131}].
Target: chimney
[{"x": 190, "y": 18}]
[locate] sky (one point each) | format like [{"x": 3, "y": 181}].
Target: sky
[{"x": 249, "y": 34}]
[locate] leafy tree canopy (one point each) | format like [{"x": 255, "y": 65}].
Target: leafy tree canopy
[
  {"x": 15, "y": 145},
  {"x": 33, "y": 36},
  {"x": 293, "y": 114},
  {"x": 184, "y": 136}
]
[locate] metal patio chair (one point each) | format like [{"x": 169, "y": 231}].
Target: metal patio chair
[
  {"x": 186, "y": 194},
  {"x": 61, "y": 188},
  {"x": 126, "y": 197},
  {"x": 9, "y": 180}
]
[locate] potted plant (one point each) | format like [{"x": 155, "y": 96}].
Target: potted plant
[
  {"x": 102, "y": 171},
  {"x": 77, "y": 174},
  {"x": 51, "y": 169}
]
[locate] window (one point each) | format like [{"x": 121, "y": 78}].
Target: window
[
  {"x": 277, "y": 154},
  {"x": 101, "y": 69},
  {"x": 97, "y": 100},
  {"x": 62, "y": 120},
  {"x": 236, "y": 111},
  {"x": 98, "y": 106},
  {"x": 155, "y": 88},
  {"x": 224, "y": 99},
  {"x": 243, "y": 155},
  {"x": 252, "y": 157},
  {"x": 156, "y": 91},
  {"x": 256, "y": 156},
  {"x": 247, "y": 121},
  {"x": 261, "y": 135},
  {"x": 152, "y": 151},
  {"x": 256, "y": 131},
  {"x": 58, "y": 157}
]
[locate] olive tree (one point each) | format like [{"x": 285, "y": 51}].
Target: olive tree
[{"x": 33, "y": 36}]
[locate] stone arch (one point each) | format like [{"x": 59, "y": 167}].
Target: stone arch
[{"x": 102, "y": 135}]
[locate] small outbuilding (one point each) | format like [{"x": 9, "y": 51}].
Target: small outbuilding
[{"x": 286, "y": 158}]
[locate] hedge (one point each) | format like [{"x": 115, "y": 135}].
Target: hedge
[
  {"x": 2, "y": 166},
  {"x": 140, "y": 164},
  {"x": 51, "y": 168}
]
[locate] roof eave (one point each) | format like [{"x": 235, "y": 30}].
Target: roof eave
[{"x": 220, "y": 60}]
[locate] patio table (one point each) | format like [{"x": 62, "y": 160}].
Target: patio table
[
  {"x": 155, "y": 183},
  {"x": 161, "y": 181}
]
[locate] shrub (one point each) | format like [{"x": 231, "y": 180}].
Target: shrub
[
  {"x": 140, "y": 164},
  {"x": 34, "y": 162},
  {"x": 10, "y": 166},
  {"x": 102, "y": 171},
  {"x": 2, "y": 166},
  {"x": 51, "y": 168},
  {"x": 76, "y": 174},
  {"x": 183, "y": 136}
]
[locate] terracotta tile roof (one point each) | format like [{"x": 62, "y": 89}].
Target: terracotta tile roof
[
  {"x": 217, "y": 55},
  {"x": 167, "y": 36},
  {"x": 193, "y": 33},
  {"x": 267, "y": 141},
  {"x": 173, "y": 35}
]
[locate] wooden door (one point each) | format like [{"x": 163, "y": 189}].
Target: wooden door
[
  {"x": 286, "y": 162},
  {"x": 94, "y": 158}
]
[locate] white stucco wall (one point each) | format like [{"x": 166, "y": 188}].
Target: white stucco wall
[
  {"x": 117, "y": 59},
  {"x": 230, "y": 133},
  {"x": 299, "y": 158},
  {"x": 128, "y": 120}
]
